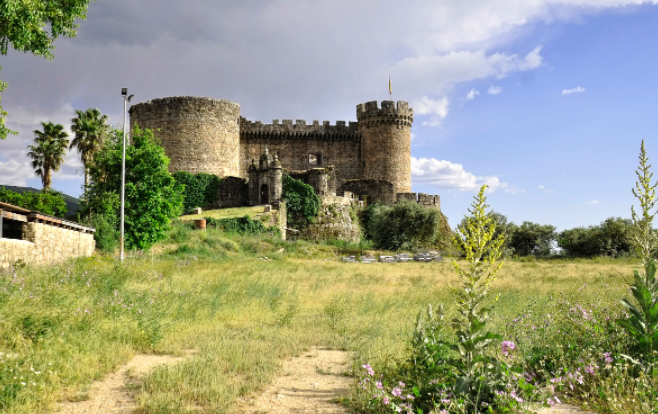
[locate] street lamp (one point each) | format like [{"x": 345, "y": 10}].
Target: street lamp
[{"x": 126, "y": 99}]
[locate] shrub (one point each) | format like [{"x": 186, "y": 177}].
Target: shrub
[
  {"x": 241, "y": 225},
  {"x": 152, "y": 196},
  {"x": 200, "y": 189},
  {"x": 613, "y": 237},
  {"x": 301, "y": 200},
  {"x": 406, "y": 225},
  {"x": 49, "y": 202}
]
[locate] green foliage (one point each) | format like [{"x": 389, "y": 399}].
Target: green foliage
[
  {"x": 241, "y": 225},
  {"x": 152, "y": 196},
  {"x": 107, "y": 231},
  {"x": 479, "y": 374},
  {"x": 613, "y": 237},
  {"x": 365, "y": 218},
  {"x": 532, "y": 239},
  {"x": 48, "y": 151},
  {"x": 32, "y": 26},
  {"x": 406, "y": 225},
  {"x": 642, "y": 324},
  {"x": 200, "y": 189},
  {"x": 90, "y": 129},
  {"x": 49, "y": 202},
  {"x": 301, "y": 200}
]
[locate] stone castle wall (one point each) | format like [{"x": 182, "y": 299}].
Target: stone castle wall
[
  {"x": 44, "y": 244},
  {"x": 198, "y": 134},
  {"x": 336, "y": 220},
  {"x": 386, "y": 142},
  {"x": 339, "y": 145}
]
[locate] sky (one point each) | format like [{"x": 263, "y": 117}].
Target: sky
[{"x": 545, "y": 101}]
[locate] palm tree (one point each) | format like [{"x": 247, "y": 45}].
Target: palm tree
[
  {"x": 48, "y": 151},
  {"x": 90, "y": 128}
]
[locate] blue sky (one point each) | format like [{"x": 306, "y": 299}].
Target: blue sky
[{"x": 545, "y": 100}]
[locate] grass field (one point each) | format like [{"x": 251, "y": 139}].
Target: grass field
[
  {"x": 226, "y": 213},
  {"x": 210, "y": 292}
]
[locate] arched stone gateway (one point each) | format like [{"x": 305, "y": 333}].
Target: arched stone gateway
[{"x": 264, "y": 194}]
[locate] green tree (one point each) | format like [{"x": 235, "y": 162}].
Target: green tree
[
  {"x": 406, "y": 225},
  {"x": 152, "y": 196},
  {"x": 33, "y": 26},
  {"x": 613, "y": 237},
  {"x": 90, "y": 128},
  {"x": 48, "y": 151},
  {"x": 532, "y": 239},
  {"x": 50, "y": 202},
  {"x": 503, "y": 228}
]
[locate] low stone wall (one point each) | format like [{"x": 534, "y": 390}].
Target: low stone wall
[
  {"x": 233, "y": 192},
  {"x": 334, "y": 221},
  {"x": 44, "y": 244},
  {"x": 377, "y": 190}
]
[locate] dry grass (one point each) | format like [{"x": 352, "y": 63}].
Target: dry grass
[
  {"x": 242, "y": 314},
  {"x": 225, "y": 213}
]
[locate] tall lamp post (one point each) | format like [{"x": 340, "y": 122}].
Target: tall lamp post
[{"x": 126, "y": 99}]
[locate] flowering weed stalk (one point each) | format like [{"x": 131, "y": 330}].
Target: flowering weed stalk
[{"x": 643, "y": 322}]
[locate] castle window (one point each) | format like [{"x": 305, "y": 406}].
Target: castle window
[{"x": 314, "y": 159}]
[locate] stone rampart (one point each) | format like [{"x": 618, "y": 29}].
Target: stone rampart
[
  {"x": 386, "y": 142},
  {"x": 427, "y": 200},
  {"x": 198, "y": 134},
  {"x": 377, "y": 190},
  {"x": 334, "y": 221}
]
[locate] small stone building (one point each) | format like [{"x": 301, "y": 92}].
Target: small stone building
[
  {"x": 265, "y": 180},
  {"x": 39, "y": 239}
]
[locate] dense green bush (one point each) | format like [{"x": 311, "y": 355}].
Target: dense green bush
[
  {"x": 613, "y": 237},
  {"x": 241, "y": 225},
  {"x": 51, "y": 202},
  {"x": 152, "y": 196},
  {"x": 406, "y": 225},
  {"x": 301, "y": 200},
  {"x": 200, "y": 189}
]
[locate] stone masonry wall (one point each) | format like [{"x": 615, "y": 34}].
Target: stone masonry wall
[
  {"x": 339, "y": 145},
  {"x": 334, "y": 221},
  {"x": 386, "y": 142},
  {"x": 377, "y": 190},
  {"x": 198, "y": 134},
  {"x": 233, "y": 192},
  {"x": 44, "y": 244}
]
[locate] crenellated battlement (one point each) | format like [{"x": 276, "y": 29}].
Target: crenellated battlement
[
  {"x": 370, "y": 112},
  {"x": 300, "y": 130}
]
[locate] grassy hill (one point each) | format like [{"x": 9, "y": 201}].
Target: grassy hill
[{"x": 72, "y": 203}]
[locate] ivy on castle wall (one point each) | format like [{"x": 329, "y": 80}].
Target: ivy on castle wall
[
  {"x": 200, "y": 189},
  {"x": 301, "y": 200}
]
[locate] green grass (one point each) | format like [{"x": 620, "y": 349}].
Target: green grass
[
  {"x": 225, "y": 213},
  {"x": 208, "y": 291}
]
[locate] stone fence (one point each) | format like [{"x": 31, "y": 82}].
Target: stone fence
[{"x": 41, "y": 240}]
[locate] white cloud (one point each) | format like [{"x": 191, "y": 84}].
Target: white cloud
[
  {"x": 494, "y": 90},
  {"x": 15, "y": 173},
  {"x": 577, "y": 89},
  {"x": 546, "y": 190},
  {"x": 471, "y": 94},
  {"x": 593, "y": 202},
  {"x": 437, "y": 108},
  {"x": 445, "y": 174}
]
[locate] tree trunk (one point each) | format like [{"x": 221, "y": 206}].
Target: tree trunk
[{"x": 47, "y": 179}]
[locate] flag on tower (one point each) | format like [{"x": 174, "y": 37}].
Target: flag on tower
[{"x": 389, "y": 86}]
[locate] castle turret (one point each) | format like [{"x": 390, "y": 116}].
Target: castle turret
[
  {"x": 198, "y": 134},
  {"x": 386, "y": 142}
]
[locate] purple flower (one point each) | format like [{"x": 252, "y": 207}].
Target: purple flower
[
  {"x": 507, "y": 346},
  {"x": 607, "y": 359},
  {"x": 396, "y": 391},
  {"x": 590, "y": 369},
  {"x": 516, "y": 397},
  {"x": 369, "y": 369},
  {"x": 386, "y": 401},
  {"x": 379, "y": 385}
]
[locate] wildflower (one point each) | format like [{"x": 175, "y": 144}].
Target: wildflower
[
  {"x": 589, "y": 369},
  {"x": 410, "y": 397},
  {"x": 516, "y": 397},
  {"x": 507, "y": 346},
  {"x": 379, "y": 385},
  {"x": 369, "y": 369},
  {"x": 386, "y": 401},
  {"x": 401, "y": 384},
  {"x": 607, "y": 359},
  {"x": 396, "y": 391}
]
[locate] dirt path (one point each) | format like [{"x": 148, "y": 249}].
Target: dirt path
[
  {"x": 110, "y": 395},
  {"x": 306, "y": 384}
]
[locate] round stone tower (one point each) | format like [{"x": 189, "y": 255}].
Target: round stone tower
[
  {"x": 198, "y": 134},
  {"x": 386, "y": 142}
]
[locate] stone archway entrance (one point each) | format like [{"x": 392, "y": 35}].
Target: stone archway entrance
[{"x": 264, "y": 194}]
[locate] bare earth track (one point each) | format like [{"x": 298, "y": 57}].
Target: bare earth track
[
  {"x": 307, "y": 384},
  {"x": 111, "y": 395}
]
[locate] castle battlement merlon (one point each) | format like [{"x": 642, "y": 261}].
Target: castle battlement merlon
[
  {"x": 388, "y": 113},
  {"x": 300, "y": 129}
]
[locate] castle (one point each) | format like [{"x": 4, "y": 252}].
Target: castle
[{"x": 369, "y": 158}]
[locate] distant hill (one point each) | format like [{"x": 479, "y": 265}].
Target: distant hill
[{"x": 72, "y": 203}]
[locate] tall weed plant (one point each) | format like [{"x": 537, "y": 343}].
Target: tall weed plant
[{"x": 642, "y": 324}]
